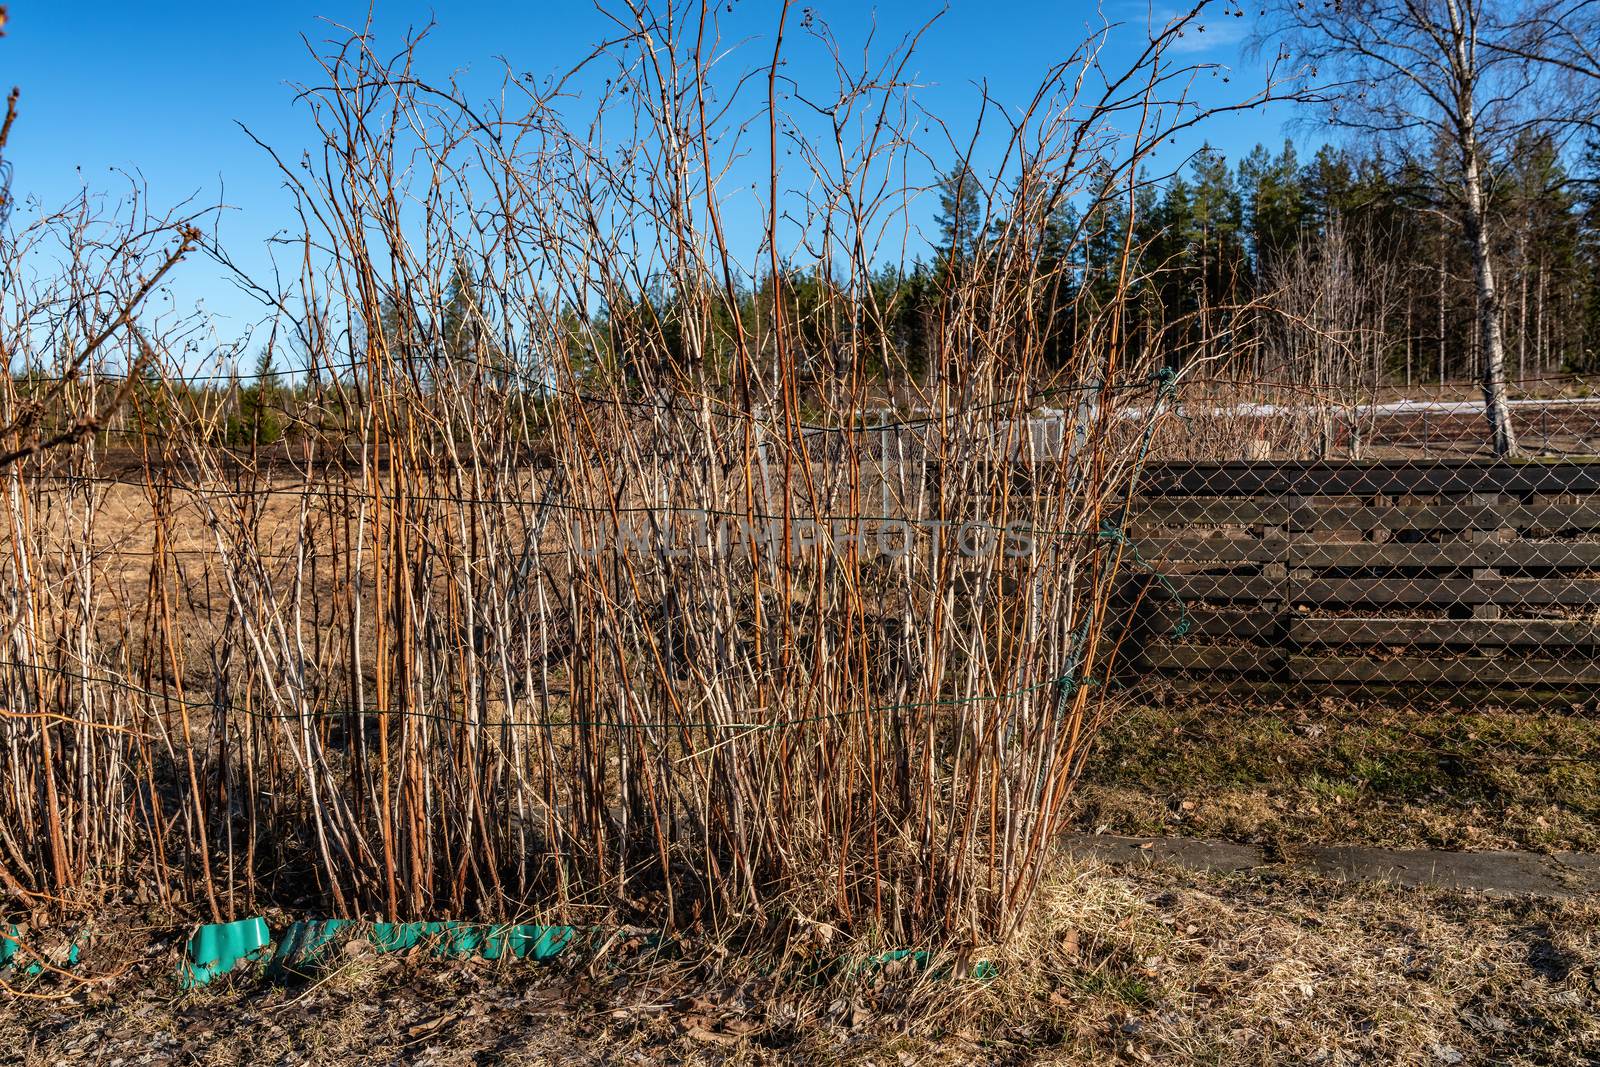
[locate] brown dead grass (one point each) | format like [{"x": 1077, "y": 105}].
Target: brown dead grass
[
  {"x": 1149, "y": 966},
  {"x": 1476, "y": 777}
]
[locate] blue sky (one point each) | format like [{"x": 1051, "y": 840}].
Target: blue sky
[{"x": 159, "y": 89}]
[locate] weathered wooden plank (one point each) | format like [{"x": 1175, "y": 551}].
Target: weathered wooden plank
[
  {"x": 1207, "y": 511},
  {"x": 1572, "y": 592},
  {"x": 1464, "y": 670},
  {"x": 1241, "y": 625},
  {"x": 1200, "y": 548},
  {"x": 1338, "y": 514},
  {"x": 1224, "y": 587},
  {"x": 1576, "y": 516},
  {"x": 1203, "y": 548},
  {"x": 1415, "y": 592},
  {"x": 1384, "y": 478},
  {"x": 1556, "y": 518},
  {"x": 1500, "y": 554},
  {"x": 1531, "y": 633},
  {"x": 1178, "y": 656}
]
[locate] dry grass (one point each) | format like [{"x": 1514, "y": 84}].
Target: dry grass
[
  {"x": 1480, "y": 777},
  {"x": 1155, "y": 966}
]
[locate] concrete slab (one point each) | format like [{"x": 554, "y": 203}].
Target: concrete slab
[
  {"x": 1194, "y": 853},
  {"x": 1581, "y": 868},
  {"x": 1494, "y": 873}
]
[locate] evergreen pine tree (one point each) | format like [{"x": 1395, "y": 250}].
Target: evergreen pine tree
[
  {"x": 960, "y": 217},
  {"x": 1274, "y": 204}
]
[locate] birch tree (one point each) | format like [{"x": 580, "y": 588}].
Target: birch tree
[{"x": 1467, "y": 76}]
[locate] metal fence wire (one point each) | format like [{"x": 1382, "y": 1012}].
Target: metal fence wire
[{"x": 1338, "y": 567}]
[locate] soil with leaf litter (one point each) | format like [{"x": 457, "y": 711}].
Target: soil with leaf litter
[{"x": 1153, "y": 965}]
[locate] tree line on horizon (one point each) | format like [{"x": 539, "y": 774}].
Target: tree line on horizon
[
  {"x": 1339, "y": 272},
  {"x": 1453, "y": 238},
  {"x": 1216, "y": 253}
]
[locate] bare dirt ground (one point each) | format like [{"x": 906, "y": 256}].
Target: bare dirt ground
[{"x": 1153, "y": 965}]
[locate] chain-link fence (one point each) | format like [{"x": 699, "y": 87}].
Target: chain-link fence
[
  {"x": 1351, "y": 622},
  {"x": 1335, "y": 566}
]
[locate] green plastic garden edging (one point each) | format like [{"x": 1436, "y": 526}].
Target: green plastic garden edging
[
  {"x": 218, "y": 948},
  {"x": 306, "y": 945},
  {"x": 11, "y": 944}
]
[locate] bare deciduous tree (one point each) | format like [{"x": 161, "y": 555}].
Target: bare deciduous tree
[
  {"x": 1465, "y": 75},
  {"x": 89, "y": 301},
  {"x": 1330, "y": 300}
]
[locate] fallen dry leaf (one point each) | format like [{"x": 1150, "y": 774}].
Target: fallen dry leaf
[{"x": 701, "y": 1033}]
